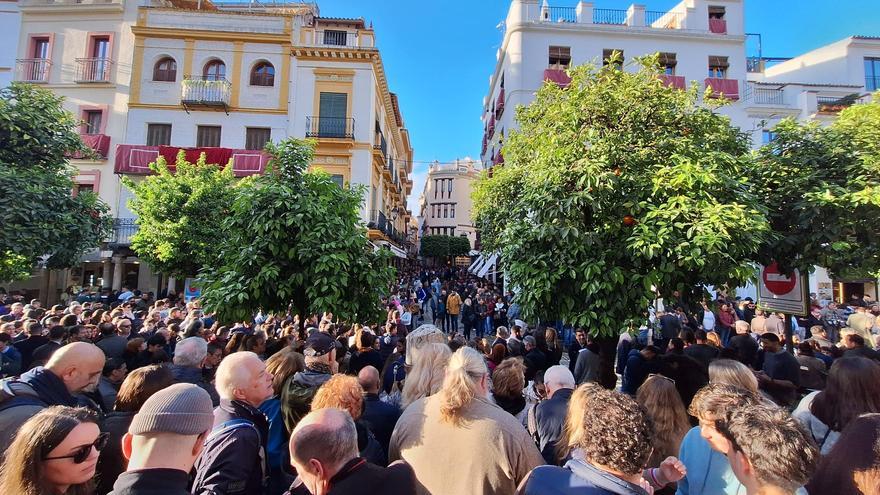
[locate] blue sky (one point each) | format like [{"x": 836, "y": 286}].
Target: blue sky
[{"x": 438, "y": 55}]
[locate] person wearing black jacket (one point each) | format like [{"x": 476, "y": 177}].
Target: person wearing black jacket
[
  {"x": 159, "y": 464},
  {"x": 27, "y": 346},
  {"x": 580, "y": 342},
  {"x": 234, "y": 458},
  {"x": 744, "y": 345},
  {"x": 338, "y": 470}
]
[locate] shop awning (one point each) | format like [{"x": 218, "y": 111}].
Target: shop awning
[
  {"x": 489, "y": 265},
  {"x": 396, "y": 251}
]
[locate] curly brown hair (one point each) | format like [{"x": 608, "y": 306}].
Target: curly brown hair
[{"x": 616, "y": 432}]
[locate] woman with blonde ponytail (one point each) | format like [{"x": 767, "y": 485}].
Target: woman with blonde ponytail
[{"x": 459, "y": 426}]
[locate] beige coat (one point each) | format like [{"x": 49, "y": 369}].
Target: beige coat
[{"x": 487, "y": 453}]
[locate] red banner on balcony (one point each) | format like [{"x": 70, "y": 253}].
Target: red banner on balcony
[
  {"x": 134, "y": 159},
  {"x": 728, "y": 88},
  {"x": 673, "y": 81},
  {"x": 557, "y": 76},
  {"x": 718, "y": 26},
  {"x": 100, "y": 143}
]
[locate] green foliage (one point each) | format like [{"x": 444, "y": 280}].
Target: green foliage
[
  {"x": 441, "y": 246},
  {"x": 822, "y": 189},
  {"x": 179, "y": 214},
  {"x": 295, "y": 238},
  {"x": 614, "y": 186},
  {"x": 41, "y": 219}
]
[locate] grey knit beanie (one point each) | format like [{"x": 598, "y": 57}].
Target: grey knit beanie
[{"x": 183, "y": 408}]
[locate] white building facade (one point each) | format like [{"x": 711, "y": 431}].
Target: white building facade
[{"x": 699, "y": 41}]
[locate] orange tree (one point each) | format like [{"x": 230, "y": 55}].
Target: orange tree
[{"x": 613, "y": 189}]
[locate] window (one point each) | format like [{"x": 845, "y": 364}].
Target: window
[
  {"x": 718, "y": 67},
  {"x": 92, "y": 121},
  {"x": 338, "y": 180},
  {"x": 668, "y": 63},
  {"x": 333, "y": 108},
  {"x": 612, "y": 56},
  {"x": 560, "y": 56},
  {"x": 255, "y": 138},
  {"x": 81, "y": 188},
  {"x": 158, "y": 134},
  {"x": 767, "y": 136},
  {"x": 335, "y": 38},
  {"x": 445, "y": 211},
  {"x": 263, "y": 74},
  {"x": 451, "y": 211},
  {"x": 165, "y": 70},
  {"x": 215, "y": 70},
  {"x": 100, "y": 47},
  {"x": 436, "y": 187},
  {"x": 433, "y": 211},
  {"x": 872, "y": 74},
  {"x": 208, "y": 136},
  {"x": 41, "y": 48},
  {"x": 716, "y": 12}
]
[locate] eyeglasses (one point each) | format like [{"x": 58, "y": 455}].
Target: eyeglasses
[
  {"x": 82, "y": 453},
  {"x": 661, "y": 376}
]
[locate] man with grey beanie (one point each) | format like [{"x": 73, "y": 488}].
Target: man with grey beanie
[{"x": 164, "y": 440}]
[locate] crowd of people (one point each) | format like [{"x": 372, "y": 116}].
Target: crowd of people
[{"x": 454, "y": 393}]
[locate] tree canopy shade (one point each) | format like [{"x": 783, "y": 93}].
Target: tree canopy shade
[
  {"x": 179, "y": 214},
  {"x": 441, "y": 246},
  {"x": 42, "y": 220},
  {"x": 822, "y": 189},
  {"x": 614, "y": 186},
  {"x": 295, "y": 238}
]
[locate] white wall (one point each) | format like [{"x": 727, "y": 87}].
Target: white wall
[{"x": 10, "y": 24}]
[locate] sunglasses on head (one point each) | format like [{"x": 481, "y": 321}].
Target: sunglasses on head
[{"x": 82, "y": 453}]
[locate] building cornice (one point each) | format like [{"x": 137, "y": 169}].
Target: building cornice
[{"x": 206, "y": 35}]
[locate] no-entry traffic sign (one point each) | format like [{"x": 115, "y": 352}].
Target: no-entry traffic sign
[{"x": 786, "y": 293}]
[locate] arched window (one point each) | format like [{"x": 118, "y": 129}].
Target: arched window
[
  {"x": 165, "y": 70},
  {"x": 215, "y": 70},
  {"x": 263, "y": 74}
]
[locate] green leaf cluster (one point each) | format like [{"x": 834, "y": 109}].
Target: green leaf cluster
[
  {"x": 42, "y": 220},
  {"x": 442, "y": 246},
  {"x": 822, "y": 190},
  {"x": 179, "y": 214},
  {"x": 294, "y": 240},
  {"x": 617, "y": 187}
]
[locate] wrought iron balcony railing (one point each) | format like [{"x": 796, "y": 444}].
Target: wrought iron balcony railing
[
  {"x": 330, "y": 127},
  {"x": 209, "y": 91},
  {"x": 90, "y": 70},
  {"x": 32, "y": 70}
]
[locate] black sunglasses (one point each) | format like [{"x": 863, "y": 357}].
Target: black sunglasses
[{"x": 82, "y": 453}]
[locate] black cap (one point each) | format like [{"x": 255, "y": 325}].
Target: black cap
[{"x": 318, "y": 344}]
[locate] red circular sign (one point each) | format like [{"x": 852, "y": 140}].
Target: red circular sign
[{"x": 776, "y": 282}]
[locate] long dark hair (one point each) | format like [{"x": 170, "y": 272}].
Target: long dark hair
[
  {"x": 853, "y": 389},
  {"x": 852, "y": 467},
  {"x": 22, "y": 471}
]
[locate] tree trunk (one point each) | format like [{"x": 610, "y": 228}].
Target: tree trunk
[{"x": 607, "y": 354}]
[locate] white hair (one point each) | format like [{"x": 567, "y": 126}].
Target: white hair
[
  {"x": 557, "y": 377},
  {"x": 190, "y": 352}
]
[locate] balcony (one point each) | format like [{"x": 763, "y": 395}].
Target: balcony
[
  {"x": 133, "y": 159},
  {"x": 558, "y": 76},
  {"x": 336, "y": 38},
  {"x": 499, "y": 104},
  {"x": 380, "y": 144},
  {"x": 609, "y": 16},
  {"x": 330, "y": 127},
  {"x": 205, "y": 92},
  {"x": 559, "y": 14},
  {"x": 676, "y": 82},
  {"x": 727, "y": 88},
  {"x": 498, "y": 159},
  {"x": 123, "y": 230},
  {"x": 99, "y": 143},
  {"x": 93, "y": 70},
  {"x": 832, "y": 105},
  {"x": 377, "y": 221},
  {"x": 718, "y": 26},
  {"x": 763, "y": 96},
  {"x": 32, "y": 70},
  {"x": 490, "y": 131},
  {"x": 485, "y": 144}
]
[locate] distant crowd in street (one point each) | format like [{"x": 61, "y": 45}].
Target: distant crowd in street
[{"x": 455, "y": 392}]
